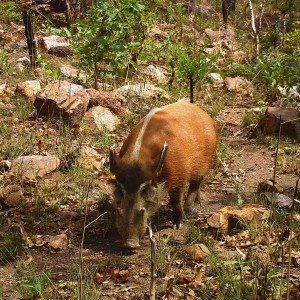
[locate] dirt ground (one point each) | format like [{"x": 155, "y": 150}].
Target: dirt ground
[{"x": 250, "y": 163}]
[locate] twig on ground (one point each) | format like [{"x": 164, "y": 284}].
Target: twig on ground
[{"x": 153, "y": 254}]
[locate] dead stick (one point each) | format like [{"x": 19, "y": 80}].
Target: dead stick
[
  {"x": 81, "y": 244},
  {"x": 153, "y": 255},
  {"x": 291, "y": 242}
]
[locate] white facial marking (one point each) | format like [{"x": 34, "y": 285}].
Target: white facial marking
[
  {"x": 143, "y": 185},
  {"x": 138, "y": 143}
]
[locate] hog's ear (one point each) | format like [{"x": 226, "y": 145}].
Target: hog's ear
[
  {"x": 161, "y": 160},
  {"x": 113, "y": 161}
]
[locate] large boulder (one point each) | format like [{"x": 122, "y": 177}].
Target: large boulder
[
  {"x": 61, "y": 99},
  {"x": 34, "y": 166}
]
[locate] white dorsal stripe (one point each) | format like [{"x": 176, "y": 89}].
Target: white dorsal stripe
[{"x": 138, "y": 143}]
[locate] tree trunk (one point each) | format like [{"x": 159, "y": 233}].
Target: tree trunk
[
  {"x": 76, "y": 9},
  {"x": 31, "y": 43}
]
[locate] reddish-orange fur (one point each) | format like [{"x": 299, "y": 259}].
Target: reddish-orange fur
[{"x": 191, "y": 135}]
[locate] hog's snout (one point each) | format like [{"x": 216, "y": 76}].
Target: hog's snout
[{"x": 132, "y": 244}]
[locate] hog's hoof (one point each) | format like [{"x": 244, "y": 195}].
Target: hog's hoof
[
  {"x": 130, "y": 244},
  {"x": 178, "y": 226}
]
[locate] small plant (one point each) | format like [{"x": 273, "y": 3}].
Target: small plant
[
  {"x": 11, "y": 245},
  {"x": 4, "y": 62},
  {"x": 193, "y": 66},
  {"x": 9, "y": 12},
  {"x": 35, "y": 286}
]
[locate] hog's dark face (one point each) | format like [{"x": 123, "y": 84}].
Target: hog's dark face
[{"x": 133, "y": 209}]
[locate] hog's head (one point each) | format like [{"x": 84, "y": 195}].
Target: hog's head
[{"x": 136, "y": 198}]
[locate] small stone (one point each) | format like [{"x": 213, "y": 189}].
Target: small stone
[
  {"x": 155, "y": 73},
  {"x": 143, "y": 91},
  {"x": 11, "y": 195},
  {"x": 90, "y": 159},
  {"x": 266, "y": 187},
  {"x": 237, "y": 84},
  {"x": 5, "y": 165},
  {"x": 61, "y": 51},
  {"x": 198, "y": 251},
  {"x": 47, "y": 42},
  {"x": 3, "y": 89},
  {"x": 58, "y": 242},
  {"x": 23, "y": 63},
  {"x": 101, "y": 118},
  {"x": 28, "y": 88},
  {"x": 34, "y": 166}
]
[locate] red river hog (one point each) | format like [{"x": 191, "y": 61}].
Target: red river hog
[{"x": 169, "y": 148}]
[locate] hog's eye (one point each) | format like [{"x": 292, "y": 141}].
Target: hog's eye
[
  {"x": 147, "y": 191},
  {"x": 118, "y": 194}
]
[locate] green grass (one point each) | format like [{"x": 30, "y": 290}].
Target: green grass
[{"x": 9, "y": 12}]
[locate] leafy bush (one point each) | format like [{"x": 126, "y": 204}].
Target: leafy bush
[
  {"x": 113, "y": 33},
  {"x": 272, "y": 69}
]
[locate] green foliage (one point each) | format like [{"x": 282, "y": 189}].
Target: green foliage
[
  {"x": 4, "y": 63},
  {"x": 293, "y": 40},
  {"x": 35, "y": 286},
  {"x": 113, "y": 34},
  {"x": 272, "y": 69},
  {"x": 9, "y": 12},
  {"x": 11, "y": 244}
]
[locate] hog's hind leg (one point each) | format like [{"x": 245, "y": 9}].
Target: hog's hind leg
[
  {"x": 192, "y": 196},
  {"x": 176, "y": 200}
]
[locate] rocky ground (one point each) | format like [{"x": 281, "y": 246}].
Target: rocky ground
[{"x": 54, "y": 192}]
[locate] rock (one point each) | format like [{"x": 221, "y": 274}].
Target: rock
[
  {"x": 23, "y": 63},
  {"x": 28, "y": 88},
  {"x": 3, "y": 89},
  {"x": 61, "y": 51},
  {"x": 31, "y": 167},
  {"x": 143, "y": 91},
  {"x": 202, "y": 10},
  {"x": 5, "y": 165},
  {"x": 47, "y": 42},
  {"x": 110, "y": 100},
  {"x": 74, "y": 73},
  {"x": 39, "y": 73},
  {"x": 157, "y": 33},
  {"x": 237, "y": 84},
  {"x": 58, "y": 242},
  {"x": 216, "y": 78},
  {"x": 155, "y": 73},
  {"x": 197, "y": 252},
  {"x": 90, "y": 159},
  {"x": 219, "y": 36},
  {"x": 61, "y": 99},
  {"x": 266, "y": 187},
  {"x": 283, "y": 201},
  {"x": 228, "y": 217},
  {"x": 11, "y": 195},
  {"x": 270, "y": 123},
  {"x": 101, "y": 118}
]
